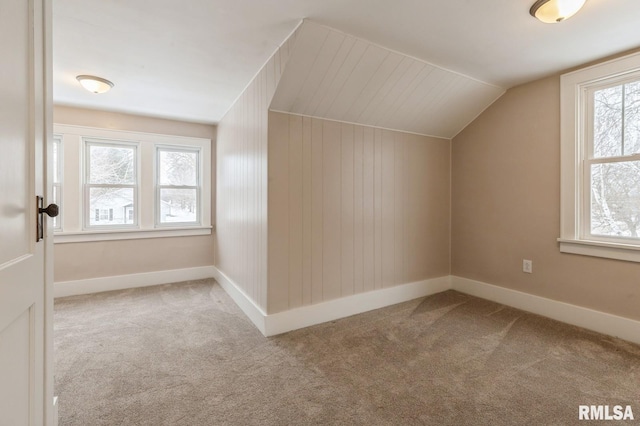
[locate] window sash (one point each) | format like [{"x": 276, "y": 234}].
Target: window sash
[
  {"x": 586, "y": 201},
  {"x": 586, "y": 146},
  {"x": 88, "y": 185},
  {"x": 89, "y": 212},
  {"x": 159, "y": 187},
  {"x": 88, "y": 143}
]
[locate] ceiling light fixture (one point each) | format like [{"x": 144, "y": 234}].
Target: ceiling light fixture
[
  {"x": 94, "y": 84},
  {"x": 553, "y": 11}
]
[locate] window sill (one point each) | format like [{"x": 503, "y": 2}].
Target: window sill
[
  {"x": 627, "y": 252},
  {"x": 129, "y": 234}
]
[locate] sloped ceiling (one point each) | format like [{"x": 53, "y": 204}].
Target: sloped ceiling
[{"x": 336, "y": 76}]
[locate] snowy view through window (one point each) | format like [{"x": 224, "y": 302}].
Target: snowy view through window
[
  {"x": 615, "y": 165},
  {"x": 111, "y": 182},
  {"x": 178, "y": 185},
  {"x": 57, "y": 181}
]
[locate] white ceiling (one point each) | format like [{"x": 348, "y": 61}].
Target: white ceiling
[{"x": 190, "y": 60}]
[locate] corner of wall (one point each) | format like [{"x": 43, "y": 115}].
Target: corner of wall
[{"x": 242, "y": 180}]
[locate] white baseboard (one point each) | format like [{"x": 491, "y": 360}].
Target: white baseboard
[
  {"x": 305, "y": 316},
  {"x": 248, "y": 306},
  {"x": 121, "y": 282},
  {"x": 590, "y": 319}
]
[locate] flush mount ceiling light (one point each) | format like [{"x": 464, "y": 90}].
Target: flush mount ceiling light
[
  {"x": 553, "y": 11},
  {"x": 94, "y": 84}
]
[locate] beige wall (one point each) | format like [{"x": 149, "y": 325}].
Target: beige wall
[
  {"x": 241, "y": 237},
  {"x": 352, "y": 209},
  {"x": 506, "y": 207},
  {"x": 135, "y": 123},
  {"x": 76, "y": 261}
]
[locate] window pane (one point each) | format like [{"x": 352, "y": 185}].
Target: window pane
[
  {"x": 607, "y": 122},
  {"x": 111, "y": 206},
  {"x": 615, "y": 199},
  {"x": 178, "y": 168},
  {"x": 632, "y": 118},
  {"x": 56, "y": 200},
  {"x": 178, "y": 205},
  {"x": 111, "y": 165},
  {"x": 56, "y": 161}
]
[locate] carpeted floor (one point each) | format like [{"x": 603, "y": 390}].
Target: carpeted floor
[{"x": 184, "y": 354}]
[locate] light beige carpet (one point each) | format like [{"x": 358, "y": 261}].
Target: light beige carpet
[{"x": 184, "y": 354}]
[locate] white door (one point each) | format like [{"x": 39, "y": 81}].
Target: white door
[{"x": 25, "y": 298}]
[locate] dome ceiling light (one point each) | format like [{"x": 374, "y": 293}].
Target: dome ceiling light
[
  {"x": 554, "y": 11},
  {"x": 94, "y": 84}
]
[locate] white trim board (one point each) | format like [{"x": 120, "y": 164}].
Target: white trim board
[
  {"x": 305, "y": 316},
  {"x": 590, "y": 319},
  {"x": 121, "y": 282},
  {"x": 244, "y": 302},
  {"x": 331, "y": 310}
]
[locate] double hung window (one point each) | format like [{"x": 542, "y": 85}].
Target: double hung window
[
  {"x": 600, "y": 123},
  {"x": 178, "y": 185},
  {"x": 612, "y": 163},
  {"x": 111, "y": 184},
  {"x": 130, "y": 185}
]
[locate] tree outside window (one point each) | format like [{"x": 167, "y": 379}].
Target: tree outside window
[
  {"x": 111, "y": 183},
  {"x": 178, "y": 185},
  {"x": 614, "y": 165}
]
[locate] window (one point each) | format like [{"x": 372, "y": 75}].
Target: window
[
  {"x": 129, "y": 185},
  {"x": 600, "y": 201},
  {"x": 178, "y": 186},
  {"x": 111, "y": 183},
  {"x": 57, "y": 180}
]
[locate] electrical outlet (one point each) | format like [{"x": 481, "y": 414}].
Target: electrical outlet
[{"x": 527, "y": 266}]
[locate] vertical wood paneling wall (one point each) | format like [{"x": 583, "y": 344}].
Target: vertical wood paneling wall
[
  {"x": 352, "y": 209},
  {"x": 241, "y": 182}
]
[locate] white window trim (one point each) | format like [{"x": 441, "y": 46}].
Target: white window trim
[
  {"x": 73, "y": 230},
  {"x": 574, "y": 88}
]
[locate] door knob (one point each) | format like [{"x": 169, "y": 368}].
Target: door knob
[{"x": 52, "y": 210}]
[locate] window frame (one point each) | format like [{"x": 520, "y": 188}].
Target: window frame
[
  {"x": 577, "y": 113},
  {"x": 87, "y": 143},
  {"x": 159, "y": 187},
  {"x": 73, "y": 229}
]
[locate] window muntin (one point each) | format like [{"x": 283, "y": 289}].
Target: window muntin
[
  {"x": 111, "y": 184},
  {"x": 178, "y": 186},
  {"x": 611, "y": 194}
]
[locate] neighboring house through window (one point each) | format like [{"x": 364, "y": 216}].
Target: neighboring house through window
[{"x": 111, "y": 183}]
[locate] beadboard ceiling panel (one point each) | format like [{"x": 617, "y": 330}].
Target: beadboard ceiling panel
[{"x": 336, "y": 76}]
